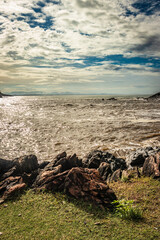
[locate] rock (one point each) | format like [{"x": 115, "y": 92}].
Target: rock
[
  {"x": 116, "y": 176},
  {"x": 26, "y": 164},
  {"x": 4, "y": 95},
  {"x": 151, "y": 166},
  {"x": 87, "y": 184},
  {"x": 134, "y": 172},
  {"x": 77, "y": 182},
  {"x": 64, "y": 161},
  {"x": 112, "y": 99},
  {"x": 138, "y": 157},
  {"x": 10, "y": 186},
  {"x": 104, "y": 170},
  {"x": 45, "y": 180},
  {"x": 5, "y": 165},
  {"x": 42, "y": 165},
  {"x": 155, "y": 96},
  {"x": 105, "y": 162}
]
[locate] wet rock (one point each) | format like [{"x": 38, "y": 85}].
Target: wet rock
[
  {"x": 10, "y": 186},
  {"x": 137, "y": 158},
  {"x": 87, "y": 184},
  {"x": 151, "y": 166}
]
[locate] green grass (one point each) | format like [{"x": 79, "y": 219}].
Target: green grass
[{"x": 56, "y": 216}]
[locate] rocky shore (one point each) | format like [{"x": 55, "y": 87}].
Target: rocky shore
[{"x": 86, "y": 178}]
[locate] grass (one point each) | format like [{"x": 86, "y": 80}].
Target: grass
[{"x": 57, "y": 217}]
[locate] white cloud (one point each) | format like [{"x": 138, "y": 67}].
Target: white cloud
[{"x": 81, "y": 28}]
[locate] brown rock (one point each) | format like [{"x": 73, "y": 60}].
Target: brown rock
[
  {"x": 77, "y": 182},
  {"x": 87, "y": 184},
  {"x": 10, "y": 186},
  {"x": 151, "y": 166}
]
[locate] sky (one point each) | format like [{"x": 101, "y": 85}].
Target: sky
[{"x": 80, "y": 46}]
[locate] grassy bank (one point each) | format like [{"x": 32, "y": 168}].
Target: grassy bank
[{"x": 56, "y": 216}]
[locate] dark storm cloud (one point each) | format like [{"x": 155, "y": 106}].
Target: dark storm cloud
[{"x": 150, "y": 43}]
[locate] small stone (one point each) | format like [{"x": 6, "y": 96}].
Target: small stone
[
  {"x": 1, "y": 201},
  {"x": 1, "y": 233},
  {"x": 5, "y": 205},
  {"x": 19, "y": 215},
  {"x": 97, "y": 223}
]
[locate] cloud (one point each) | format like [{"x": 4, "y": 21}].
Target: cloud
[{"x": 58, "y": 42}]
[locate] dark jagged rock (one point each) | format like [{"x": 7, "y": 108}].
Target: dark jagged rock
[
  {"x": 138, "y": 157},
  {"x": 43, "y": 164},
  {"x": 18, "y": 174},
  {"x": 96, "y": 157},
  {"x": 4, "y": 95},
  {"x": 66, "y": 162},
  {"x": 105, "y": 162},
  {"x": 155, "y": 96},
  {"x": 151, "y": 166},
  {"x": 5, "y": 165},
  {"x": 26, "y": 164},
  {"x": 112, "y": 99}
]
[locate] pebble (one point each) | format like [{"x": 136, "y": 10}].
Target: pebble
[
  {"x": 1, "y": 233},
  {"x": 1, "y": 201},
  {"x": 97, "y": 223}
]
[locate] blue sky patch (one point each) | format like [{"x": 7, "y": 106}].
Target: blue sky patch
[{"x": 147, "y": 7}]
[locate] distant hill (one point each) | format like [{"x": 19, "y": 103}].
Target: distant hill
[
  {"x": 155, "y": 96},
  {"x": 4, "y": 95}
]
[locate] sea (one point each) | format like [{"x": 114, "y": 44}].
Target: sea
[{"x": 48, "y": 125}]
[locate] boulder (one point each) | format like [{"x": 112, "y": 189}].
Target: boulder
[
  {"x": 67, "y": 162},
  {"x": 137, "y": 158},
  {"x": 47, "y": 179},
  {"x": 10, "y": 186},
  {"x": 134, "y": 172},
  {"x": 151, "y": 166},
  {"x": 5, "y": 165},
  {"x": 104, "y": 170},
  {"x": 25, "y": 164},
  {"x": 96, "y": 157},
  {"x": 77, "y": 182},
  {"x": 87, "y": 184},
  {"x": 116, "y": 176}
]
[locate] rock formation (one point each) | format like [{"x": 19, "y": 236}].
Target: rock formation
[
  {"x": 155, "y": 96},
  {"x": 85, "y": 178}
]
